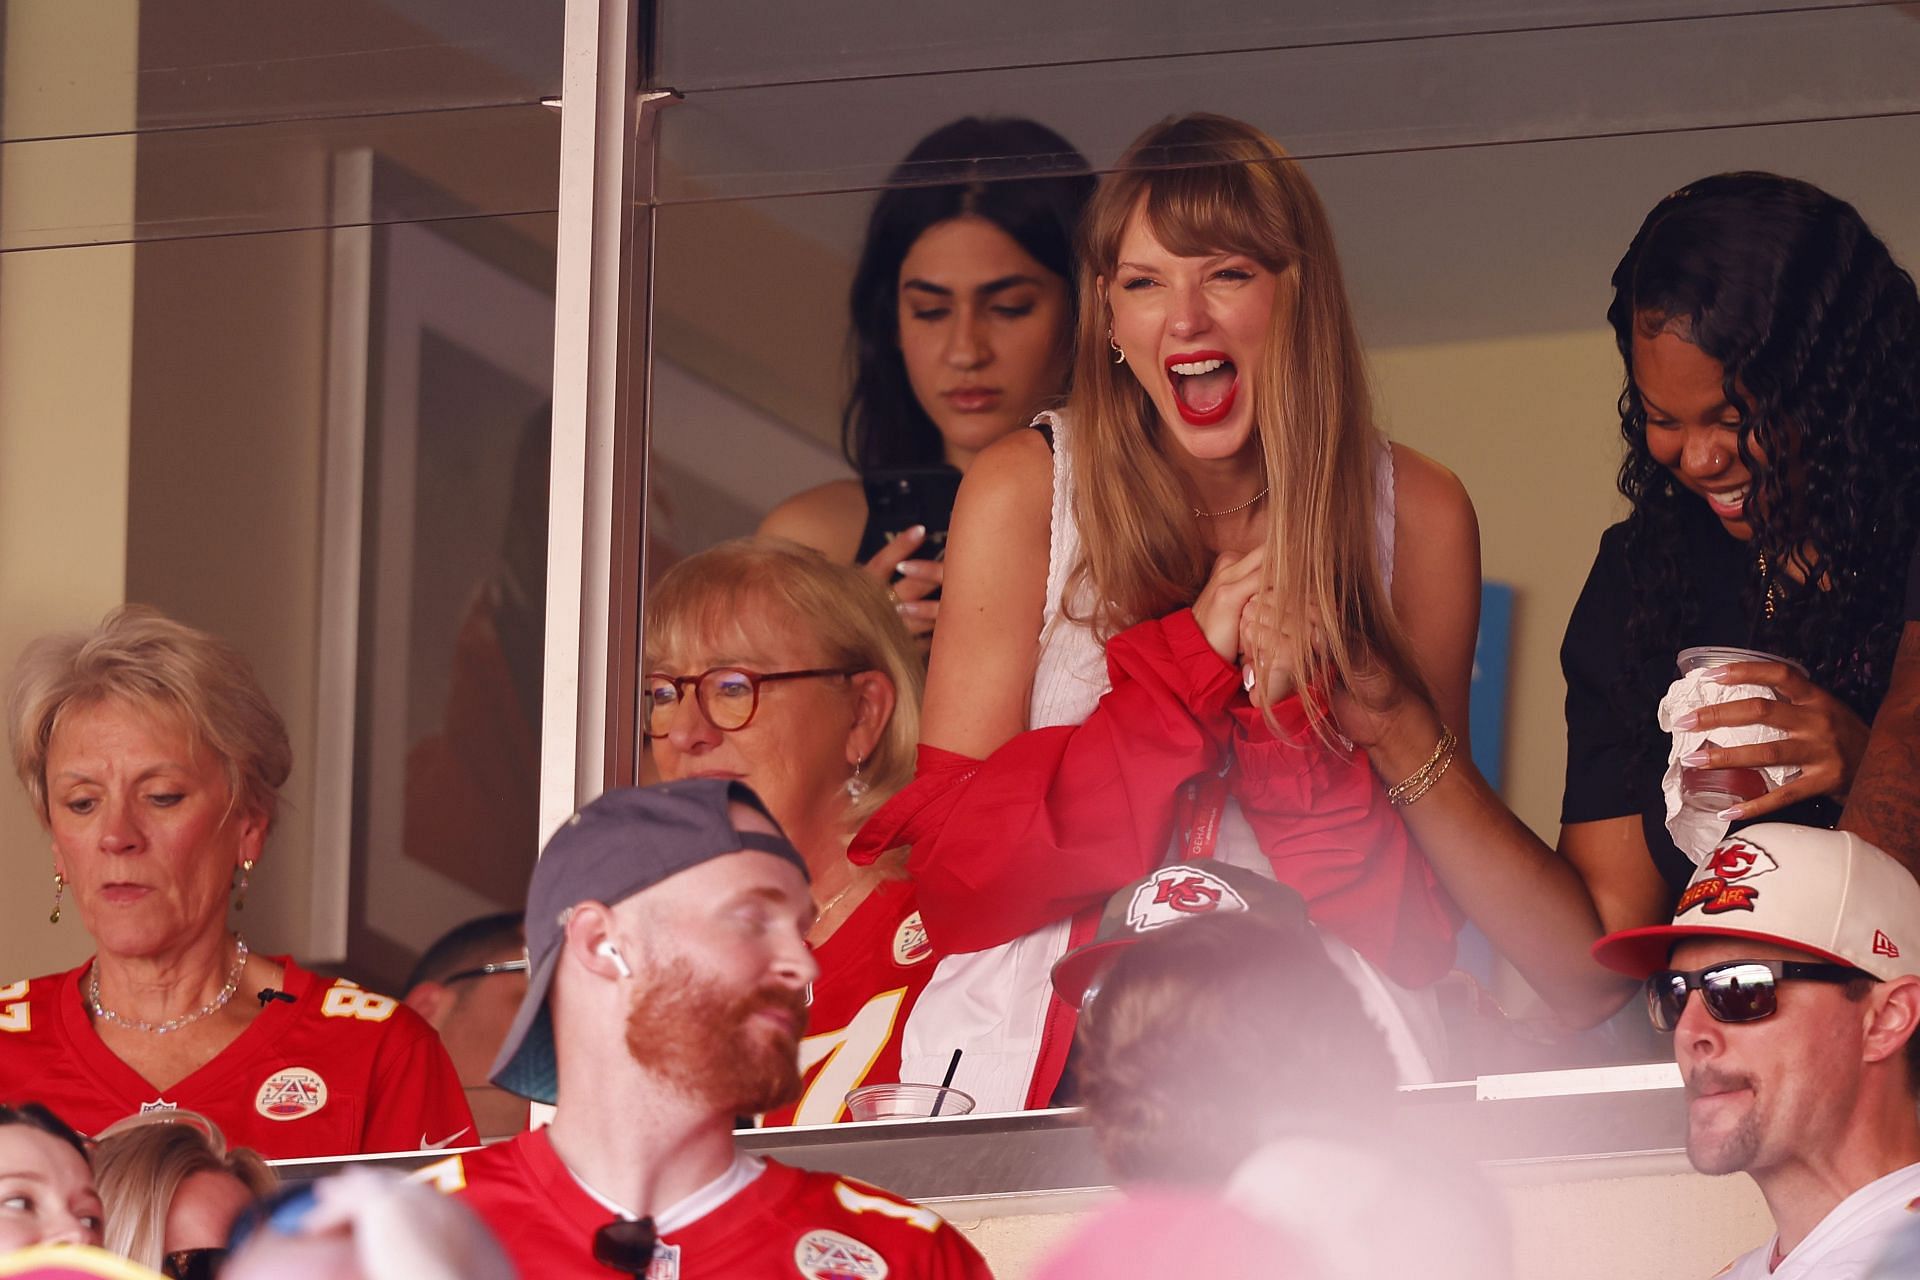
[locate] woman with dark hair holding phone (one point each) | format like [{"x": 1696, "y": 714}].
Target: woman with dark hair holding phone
[{"x": 963, "y": 315}]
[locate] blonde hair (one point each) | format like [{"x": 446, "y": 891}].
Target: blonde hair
[
  {"x": 139, "y": 1164},
  {"x": 711, "y": 596},
  {"x": 1205, "y": 184},
  {"x": 141, "y": 656}
]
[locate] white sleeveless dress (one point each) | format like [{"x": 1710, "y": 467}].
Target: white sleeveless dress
[{"x": 993, "y": 1004}]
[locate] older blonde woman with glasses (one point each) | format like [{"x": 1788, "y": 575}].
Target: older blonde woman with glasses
[
  {"x": 769, "y": 663},
  {"x": 155, "y": 761}
]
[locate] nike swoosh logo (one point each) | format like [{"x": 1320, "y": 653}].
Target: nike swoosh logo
[{"x": 445, "y": 1142}]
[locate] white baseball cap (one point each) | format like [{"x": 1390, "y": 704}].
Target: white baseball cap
[{"x": 1828, "y": 893}]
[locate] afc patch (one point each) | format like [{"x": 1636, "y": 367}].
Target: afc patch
[
  {"x": 910, "y": 945},
  {"x": 828, "y": 1255},
  {"x": 291, "y": 1093},
  {"x": 1733, "y": 864},
  {"x": 1714, "y": 896}
]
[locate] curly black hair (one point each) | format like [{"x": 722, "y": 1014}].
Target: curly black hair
[
  {"x": 1019, "y": 175},
  {"x": 1818, "y": 332}
]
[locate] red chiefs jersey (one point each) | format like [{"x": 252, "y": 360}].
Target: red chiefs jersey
[
  {"x": 872, "y": 970},
  {"x": 760, "y": 1219},
  {"x": 338, "y": 1071}
]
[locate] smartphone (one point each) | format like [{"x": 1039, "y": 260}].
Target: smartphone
[{"x": 899, "y": 499}]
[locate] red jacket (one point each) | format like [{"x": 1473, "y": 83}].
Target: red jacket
[{"x": 1057, "y": 819}]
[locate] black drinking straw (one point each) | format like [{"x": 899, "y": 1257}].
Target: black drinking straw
[{"x": 953, "y": 1065}]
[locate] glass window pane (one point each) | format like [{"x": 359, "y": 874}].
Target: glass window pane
[
  {"x": 732, "y": 43},
  {"x": 229, "y": 62},
  {"x": 1484, "y": 169},
  {"x": 1324, "y": 101}
]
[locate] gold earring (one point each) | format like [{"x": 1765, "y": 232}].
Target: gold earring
[
  {"x": 59, "y": 888},
  {"x": 1119, "y": 356},
  {"x": 240, "y": 891}
]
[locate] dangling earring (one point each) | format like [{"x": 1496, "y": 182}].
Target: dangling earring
[
  {"x": 59, "y": 888},
  {"x": 857, "y": 786},
  {"x": 1119, "y": 356},
  {"x": 240, "y": 887}
]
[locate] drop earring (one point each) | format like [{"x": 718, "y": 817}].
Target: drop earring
[
  {"x": 59, "y": 889},
  {"x": 857, "y": 786},
  {"x": 1119, "y": 356},
  {"x": 240, "y": 886}
]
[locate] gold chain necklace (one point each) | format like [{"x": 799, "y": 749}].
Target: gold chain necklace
[
  {"x": 1209, "y": 515},
  {"x": 1766, "y": 579}
]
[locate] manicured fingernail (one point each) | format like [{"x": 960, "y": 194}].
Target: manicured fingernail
[
  {"x": 1687, "y": 720},
  {"x": 1695, "y": 759},
  {"x": 1719, "y": 675},
  {"x": 1734, "y": 814},
  {"x": 918, "y": 531},
  {"x": 911, "y": 568}
]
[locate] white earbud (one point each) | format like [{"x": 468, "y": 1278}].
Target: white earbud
[{"x": 612, "y": 953}]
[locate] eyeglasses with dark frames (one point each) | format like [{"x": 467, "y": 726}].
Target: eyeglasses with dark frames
[
  {"x": 726, "y": 696},
  {"x": 488, "y": 970},
  {"x": 1737, "y": 990},
  {"x": 626, "y": 1244}
]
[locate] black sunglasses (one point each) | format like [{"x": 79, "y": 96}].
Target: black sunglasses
[
  {"x": 193, "y": 1264},
  {"x": 626, "y": 1244},
  {"x": 487, "y": 970},
  {"x": 1736, "y": 990}
]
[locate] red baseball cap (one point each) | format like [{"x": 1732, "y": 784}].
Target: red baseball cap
[{"x": 1828, "y": 893}]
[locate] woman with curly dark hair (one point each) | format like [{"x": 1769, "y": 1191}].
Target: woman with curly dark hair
[
  {"x": 963, "y": 313},
  {"x": 1772, "y": 421}
]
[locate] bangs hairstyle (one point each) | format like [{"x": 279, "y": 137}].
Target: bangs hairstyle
[
  {"x": 714, "y": 596},
  {"x": 139, "y": 1164},
  {"x": 1206, "y": 185},
  {"x": 1817, "y": 330},
  {"x": 1021, "y": 176},
  {"x": 144, "y": 658}
]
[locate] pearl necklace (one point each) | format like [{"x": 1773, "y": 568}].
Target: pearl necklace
[
  {"x": 212, "y": 1006},
  {"x": 1208, "y": 515}
]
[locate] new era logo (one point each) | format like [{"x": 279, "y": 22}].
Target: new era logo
[{"x": 1883, "y": 945}]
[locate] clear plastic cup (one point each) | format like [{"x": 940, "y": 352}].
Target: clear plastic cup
[
  {"x": 1715, "y": 790},
  {"x": 1700, "y": 657},
  {"x": 907, "y": 1102}
]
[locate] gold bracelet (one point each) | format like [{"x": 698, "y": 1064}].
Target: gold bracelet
[{"x": 1421, "y": 780}]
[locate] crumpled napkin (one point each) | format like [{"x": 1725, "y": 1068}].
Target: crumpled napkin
[{"x": 1697, "y": 833}]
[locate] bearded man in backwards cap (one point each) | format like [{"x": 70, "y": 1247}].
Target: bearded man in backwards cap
[
  {"x": 1790, "y": 979},
  {"x": 666, "y": 927}
]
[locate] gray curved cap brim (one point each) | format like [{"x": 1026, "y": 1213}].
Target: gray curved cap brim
[{"x": 526, "y": 1064}]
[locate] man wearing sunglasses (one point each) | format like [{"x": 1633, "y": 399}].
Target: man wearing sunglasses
[
  {"x": 667, "y": 926},
  {"x": 1790, "y": 979}
]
